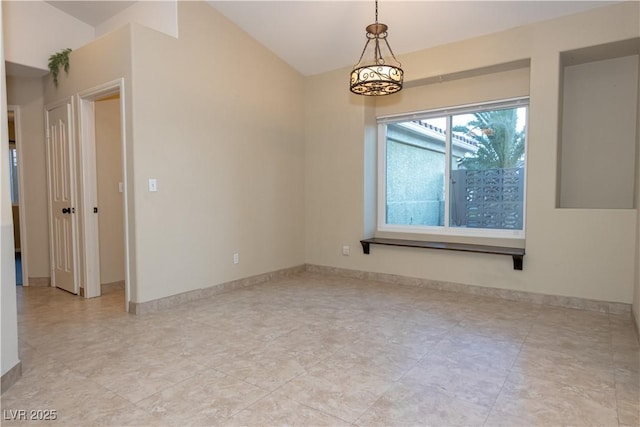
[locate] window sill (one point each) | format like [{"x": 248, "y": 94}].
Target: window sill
[
  {"x": 516, "y": 253},
  {"x": 434, "y": 232}
]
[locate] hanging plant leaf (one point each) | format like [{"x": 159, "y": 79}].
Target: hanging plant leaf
[{"x": 57, "y": 60}]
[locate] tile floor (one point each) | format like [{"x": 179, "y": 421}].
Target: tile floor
[{"x": 323, "y": 350}]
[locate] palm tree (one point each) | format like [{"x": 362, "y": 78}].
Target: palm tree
[{"x": 500, "y": 144}]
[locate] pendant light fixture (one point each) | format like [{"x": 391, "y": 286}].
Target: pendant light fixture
[{"x": 378, "y": 71}]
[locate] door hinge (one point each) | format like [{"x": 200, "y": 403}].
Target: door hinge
[{"x": 95, "y": 209}]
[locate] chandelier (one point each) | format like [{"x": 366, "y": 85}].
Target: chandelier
[{"x": 373, "y": 75}]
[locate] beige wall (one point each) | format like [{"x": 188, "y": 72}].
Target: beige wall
[
  {"x": 8, "y": 308},
  {"x": 334, "y": 170},
  {"x": 219, "y": 125},
  {"x": 599, "y": 134},
  {"x": 636, "y": 283},
  {"x": 584, "y": 253},
  {"x": 496, "y": 83},
  {"x": 160, "y": 15},
  {"x": 636, "y": 288},
  {"x": 104, "y": 60},
  {"x": 29, "y": 21},
  {"x": 27, "y": 93},
  {"x": 110, "y": 200},
  {"x": 225, "y": 146}
]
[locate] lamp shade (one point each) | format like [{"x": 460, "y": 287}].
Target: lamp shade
[
  {"x": 378, "y": 72},
  {"x": 375, "y": 80}
]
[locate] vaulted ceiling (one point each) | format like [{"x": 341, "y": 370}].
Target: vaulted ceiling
[{"x": 318, "y": 36}]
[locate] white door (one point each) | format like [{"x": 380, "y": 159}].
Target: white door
[{"x": 61, "y": 197}]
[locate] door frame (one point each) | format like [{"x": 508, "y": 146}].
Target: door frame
[
  {"x": 21, "y": 191},
  {"x": 73, "y": 189},
  {"x": 88, "y": 185}
]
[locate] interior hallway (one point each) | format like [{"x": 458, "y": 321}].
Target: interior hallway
[{"x": 323, "y": 350}]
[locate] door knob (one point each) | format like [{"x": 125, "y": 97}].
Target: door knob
[{"x": 66, "y": 210}]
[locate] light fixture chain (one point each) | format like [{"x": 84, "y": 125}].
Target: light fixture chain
[{"x": 376, "y": 11}]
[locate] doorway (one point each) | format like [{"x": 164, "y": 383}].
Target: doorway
[
  {"x": 103, "y": 189},
  {"x": 110, "y": 187},
  {"x": 16, "y": 181}
]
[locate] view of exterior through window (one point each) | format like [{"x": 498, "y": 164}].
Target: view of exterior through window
[
  {"x": 13, "y": 173},
  {"x": 454, "y": 172}
]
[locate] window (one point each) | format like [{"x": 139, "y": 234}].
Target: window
[
  {"x": 459, "y": 171},
  {"x": 13, "y": 173}
]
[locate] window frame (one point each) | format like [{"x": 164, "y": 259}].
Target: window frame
[{"x": 447, "y": 229}]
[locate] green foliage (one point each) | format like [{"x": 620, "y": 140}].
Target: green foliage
[
  {"x": 500, "y": 145},
  {"x": 57, "y": 60}
]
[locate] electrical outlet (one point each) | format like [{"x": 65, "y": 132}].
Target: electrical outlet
[
  {"x": 346, "y": 250},
  {"x": 236, "y": 258}
]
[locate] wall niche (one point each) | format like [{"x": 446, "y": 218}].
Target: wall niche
[{"x": 598, "y": 126}]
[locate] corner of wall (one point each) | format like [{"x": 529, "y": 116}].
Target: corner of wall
[
  {"x": 370, "y": 168},
  {"x": 161, "y": 16},
  {"x": 636, "y": 285},
  {"x": 9, "y": 358}
]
